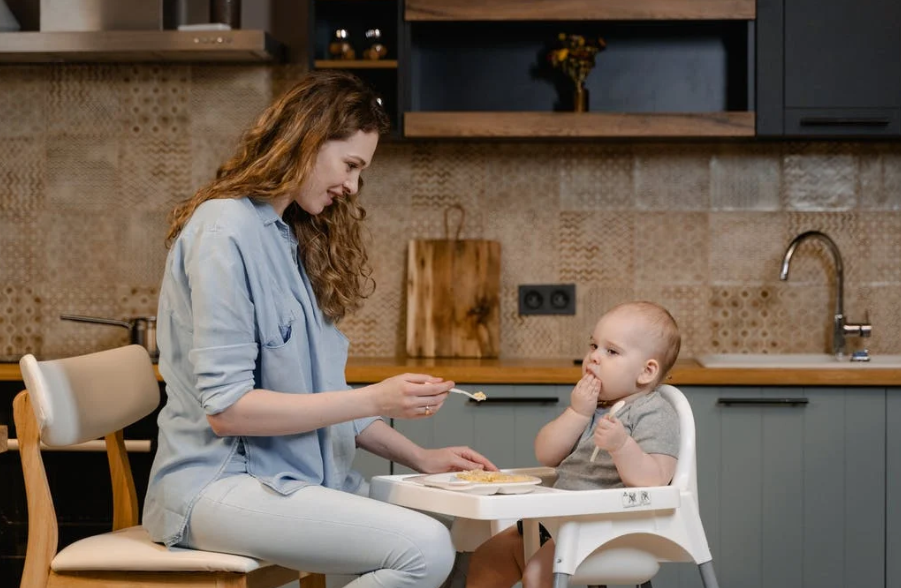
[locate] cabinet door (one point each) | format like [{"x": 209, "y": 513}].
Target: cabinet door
[
  {"x": 842, "y": 67},
  {"x": 790, "y": 494},
  {"x": 502, "y": 428},
  {"x": 893, "y": 486}
]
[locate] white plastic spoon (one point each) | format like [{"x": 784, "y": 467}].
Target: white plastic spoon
[
  {"x": 612, "y": 412},
  {"x": 478, "y": 396}
]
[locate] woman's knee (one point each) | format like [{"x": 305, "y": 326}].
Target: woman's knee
[{"x": 428, "y": 553}]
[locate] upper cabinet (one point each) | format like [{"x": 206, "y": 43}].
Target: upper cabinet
[
  {"x": 829, "y": 68},
  {"x": 670, "y": 68},
  {"x": 270, "y": 30}
]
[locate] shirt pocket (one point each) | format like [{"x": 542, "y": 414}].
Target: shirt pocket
[{"x": 280, "y": 326}]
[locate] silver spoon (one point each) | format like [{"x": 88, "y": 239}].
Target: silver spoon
[{"x": 612, "y": 412}]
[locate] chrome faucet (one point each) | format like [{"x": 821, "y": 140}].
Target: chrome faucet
[{"x": 840, "y": 329}]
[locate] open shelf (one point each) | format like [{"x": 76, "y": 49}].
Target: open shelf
[
  {"x": 355, "y": 64},
  {"x": 577, "y": 125},
  {"x": 130, "y": 46},
  {"x": 544, "y": 10}
]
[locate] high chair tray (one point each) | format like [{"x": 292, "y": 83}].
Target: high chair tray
[{"x": 408, "y": 490}]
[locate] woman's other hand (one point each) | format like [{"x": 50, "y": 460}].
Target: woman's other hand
[
  {"x": 410, "y": 396},
  {"x": 453, "y": 459},
  {"x": 584, "y": 397}
]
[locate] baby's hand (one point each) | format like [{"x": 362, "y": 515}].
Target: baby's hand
[
  {"x": 584, "y": 397},
  {"x": 610, "y": 434}
]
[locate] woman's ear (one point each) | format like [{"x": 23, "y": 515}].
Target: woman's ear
[{"x": 649, "y": 373}]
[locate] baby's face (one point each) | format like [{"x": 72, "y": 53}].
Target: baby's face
[{"x": 619, "y": 353}]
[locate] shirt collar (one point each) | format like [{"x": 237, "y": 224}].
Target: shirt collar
[{"x": 266, "y": 212}]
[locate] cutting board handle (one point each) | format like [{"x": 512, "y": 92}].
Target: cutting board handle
[{"x": 459, "y": 226}]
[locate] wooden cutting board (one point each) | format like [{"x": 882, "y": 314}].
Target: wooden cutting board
[{"x": 453, "y": 298}]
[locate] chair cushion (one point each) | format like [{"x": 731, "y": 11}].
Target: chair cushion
[{"x": 132, "y": 550}]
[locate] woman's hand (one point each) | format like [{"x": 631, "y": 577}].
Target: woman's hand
[
  {"x": 584, "y": 397},
  {"x": 610, "y": 434},
  {"x": 452, "y": 459},
  {"x": 410, "y": 396}
]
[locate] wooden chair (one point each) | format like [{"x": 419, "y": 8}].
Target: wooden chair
[{"x": 74, "y": 400}]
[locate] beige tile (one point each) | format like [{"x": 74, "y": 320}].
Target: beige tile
[
  {"x": 136, "y": 301},
  {"x": 445, "y": 175},
  {"x": 594, "y": 177},
  {"x": 879, "y": 235},
  {"x": 83, "y": 173},
  {"x": 388, "y": 183},
  {"x": 21, "y": 314},
  {"x": 880, "y": 177},
  {"x": 596, "y": 247},
  {"x": 376, "y": 329},
  {"x": 746, "y": 177},
  {"x": 82, "y": 248},
  {"x": 521, "y": 177},
  {"x": 22, "y": 241},
  {"x": 23, "y": 163},
  {"x": 23, "y": 101},
  {"x": 528, "y": 241},
  {"x": 746, "y": 247},
  {"x": 85, "y": 100},
  {"x": 155, "y": 101},
  {"x": 225, "y": 99},
  {"x": 820, "y": 176},
  {"x": 208, "y": 153},
  {"x": 141, "y": 256},
  {"x": 768, "y": 319},
  {"x": 672, "y": 177},
  {"x": 671, "y": 248},
  {"x": 156, "y": 172}
]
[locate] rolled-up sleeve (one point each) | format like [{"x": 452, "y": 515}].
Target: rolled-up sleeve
[
  {"x": 361, "y": 424},
  {"x": 224, "y": 350}
]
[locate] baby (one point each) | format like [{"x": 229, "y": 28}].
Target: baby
[{"x": 630, "y": 352}]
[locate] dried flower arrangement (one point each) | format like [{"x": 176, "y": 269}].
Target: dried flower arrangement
[{"x": 575, "y": 57}]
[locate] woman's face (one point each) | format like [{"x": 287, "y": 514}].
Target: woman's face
[{"x": 336, "y": 171}]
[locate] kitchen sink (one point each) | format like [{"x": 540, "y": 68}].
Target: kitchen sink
[{"x": 795, "y": 361}]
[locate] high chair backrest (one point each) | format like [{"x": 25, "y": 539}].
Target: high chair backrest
[
  {"x": 82, "y": 398},
  {"x": 686, "y": 476}
]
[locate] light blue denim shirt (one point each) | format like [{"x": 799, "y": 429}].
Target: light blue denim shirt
[{"x": 237, "y": 312}]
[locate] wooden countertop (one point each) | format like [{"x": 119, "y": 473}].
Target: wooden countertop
[{"x": 687, "y": 372}]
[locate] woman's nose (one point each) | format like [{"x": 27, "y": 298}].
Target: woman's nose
[{"x": 351, "y": 185}]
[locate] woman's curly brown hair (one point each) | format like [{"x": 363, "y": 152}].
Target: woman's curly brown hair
[{"x": 277, "y": 155}]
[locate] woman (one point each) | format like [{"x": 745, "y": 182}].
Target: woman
[{"x": 259, "y": 429}]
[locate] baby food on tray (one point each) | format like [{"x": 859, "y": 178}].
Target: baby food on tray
[{"x": 481, "y": 476}]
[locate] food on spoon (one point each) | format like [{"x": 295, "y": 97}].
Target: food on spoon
[
  {"x": 483, "y": 477},
  {"x": 480, "y": 396}
]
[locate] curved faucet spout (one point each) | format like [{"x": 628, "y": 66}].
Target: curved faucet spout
[{"x": 836, "y": 256}]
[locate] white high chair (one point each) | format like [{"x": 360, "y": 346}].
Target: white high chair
[
  {"x": 620, "y": 544},
  {"x": 76, "y": 400}
]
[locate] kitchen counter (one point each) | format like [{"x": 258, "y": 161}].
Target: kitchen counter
[{"x": 687, "y": 372}]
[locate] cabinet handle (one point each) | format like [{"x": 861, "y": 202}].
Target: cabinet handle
[
  {"x": 841, "y": 121},
  {"x": 536, "y": 400},
  {"x": 763, "y": 401}
]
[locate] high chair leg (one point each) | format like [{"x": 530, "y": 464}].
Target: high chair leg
[{"x": 708, "y": 577}]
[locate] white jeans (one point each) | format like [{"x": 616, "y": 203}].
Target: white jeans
[{"x": 320, "y": 530}]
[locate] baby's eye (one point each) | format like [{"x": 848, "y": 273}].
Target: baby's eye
[
  {"x": 609, "y": 351},
  {"x": 592, "y": 346}
]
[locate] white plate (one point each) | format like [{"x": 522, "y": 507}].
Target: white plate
[{"x": 449, "y": 481}]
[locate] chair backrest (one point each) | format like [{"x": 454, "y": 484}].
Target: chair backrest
[
  {"x": 82, "y": 398},
  {"x": 686, "y": 476}
]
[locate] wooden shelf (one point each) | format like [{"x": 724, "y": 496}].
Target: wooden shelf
[
  {"x": 576, "y": 125},
  {"x": 355, "y": 64},
  {"x": 132, "y": 46},
  {"x": 461, "y": 10}
]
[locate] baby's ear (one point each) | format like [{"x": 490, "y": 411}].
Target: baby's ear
[{"x": 649, "y": 373}]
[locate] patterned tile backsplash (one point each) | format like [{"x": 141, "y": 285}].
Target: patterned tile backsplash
[{"x": 93, "y": 157}]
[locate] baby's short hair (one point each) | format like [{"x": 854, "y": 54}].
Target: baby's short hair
[{"x": 663, "y": 327}]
